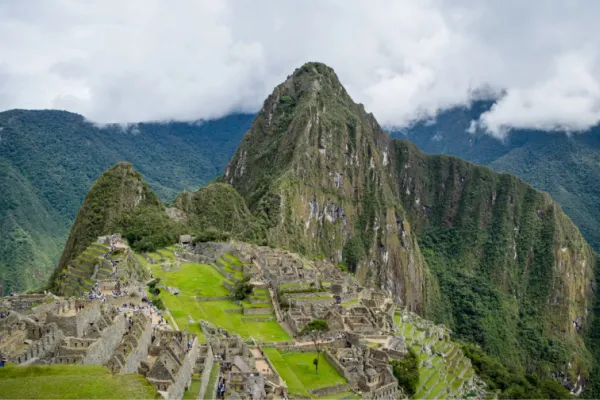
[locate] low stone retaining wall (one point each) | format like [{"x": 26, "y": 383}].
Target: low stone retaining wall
[
  {"x": 348, "y": 296},
  {"x": 329, "y": 390},
  {"x": 233, "y": 311},
  {"x": 266, "y": 300},
  {"x": 311, "y": 301},
  {"x": 296, "y": 349},
  {"x": 258, "y": 311},
  {"x": 277, "y": 344},
  {"x": 251, "y": 319},
  {"x": 227, "y": 286},
  {"x": 236, "y": 267},
  {"x": 191, "y": 257},
  {"x": 211, "y": 298}
]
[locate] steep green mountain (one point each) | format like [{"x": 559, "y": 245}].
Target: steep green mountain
[
  {"x": 28, "y": 238},
  {"x": 118, "y": 202},
  {"x": 564, "y": 165},
  {"x": 317, "y": 170},
  {"x": 513, "y": 271},
  {"x": 481, "y": 251},
  {"x": 218, "y": 207},
  {"x": 49, "y": 159}
]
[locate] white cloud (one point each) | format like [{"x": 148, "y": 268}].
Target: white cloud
[{"x": 137, "y": 60}]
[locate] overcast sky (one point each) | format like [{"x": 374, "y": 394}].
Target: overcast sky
[{"x": 128, "y": 61}]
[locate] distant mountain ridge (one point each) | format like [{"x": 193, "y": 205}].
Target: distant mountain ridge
[
  {"x": 50, "y": 158},
  {"x": 565, "y": 165}
]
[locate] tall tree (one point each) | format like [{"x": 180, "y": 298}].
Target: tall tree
[{"x": 315, "y": 330}]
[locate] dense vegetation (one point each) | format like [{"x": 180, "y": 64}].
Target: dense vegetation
[
  {"x": 510, "y": 383},
  {"x": 216, "y": 211},
  {"x": 30, "y": 237},
  {"x": 496, "y": 249},
  {"x": 562, "y": 164},
  {"x": 49, "y": 159},
  {"x": 406, "y": 372},
  {"x": 593, "y": 341}
]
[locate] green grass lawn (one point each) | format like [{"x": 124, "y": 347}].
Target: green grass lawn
[
  {"x": 261, "y": 292},
  {"x": 71, "y": 382},
  {"x": 233, "y": 259},
  {"x": 194, "y": 390},
  {"x": 212, "y": 381},
  {"x": 298, "y": 371},
  {"x": 193, "y": 279}
]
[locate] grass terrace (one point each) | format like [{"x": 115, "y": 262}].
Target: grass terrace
[
  {"x": 71, "y": 382},
  {"x": 193, "y": 279},
  {"x": 194, "y": 390},
  {"x": 298, "y": 371},
  {"x": 212, "y": 380},
  {"x": 447, "y": 373},
  {"x": 294, "y": 287},
  {"x": 233, "y": 259},
  {"x": 350, "y": 303}
]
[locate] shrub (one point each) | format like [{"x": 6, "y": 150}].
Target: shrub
[
  {"x": 211, "y": 235},
  {"x": 406, "y": 372},
  {"x": 242, "y": 289},
  {"x": 158, "y": 302}
]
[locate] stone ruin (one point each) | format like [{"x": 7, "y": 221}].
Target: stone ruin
[
  {"x": 45, "y": 329},
  {"x": 239, "y": 365}
]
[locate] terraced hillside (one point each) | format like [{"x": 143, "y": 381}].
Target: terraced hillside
[
  {"x": 97, "y": 263},
  {"x": 444, "y": 371},
  {"x": 204, "y": 288}
]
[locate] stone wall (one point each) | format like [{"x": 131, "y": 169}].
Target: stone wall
[
  {"x": 329, "y": 390},
  {"x": 191, "y": 257},
  {"x": 385, "y": 392},
  {"x": 140, "y": 353},
  {"x": 256, "y": 319},
  {"x": 257, "y": 311},
  {"x": 208, "y": 364},
  {"x": 338, "y": 367},
  {"x": 110, "y": 337},
  {"x": 78, "y": 324},
  {"x": 209, "y": 298},
  {"x": 185, "y": 372},
  {"x": 47, "y": 343}
]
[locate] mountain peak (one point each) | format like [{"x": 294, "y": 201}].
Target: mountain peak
[{"x": 120, "y": 189}]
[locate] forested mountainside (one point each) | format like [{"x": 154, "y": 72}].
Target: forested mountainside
[
  {"x": 324, "y": 179},
  {"x": 566, "y": 165},
  {"x": 49, "y": 159}
]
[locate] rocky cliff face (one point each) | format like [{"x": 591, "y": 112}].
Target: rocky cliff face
[
  {"x": 485, "y": 253},
  {"x": 318, "y": 170}
]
